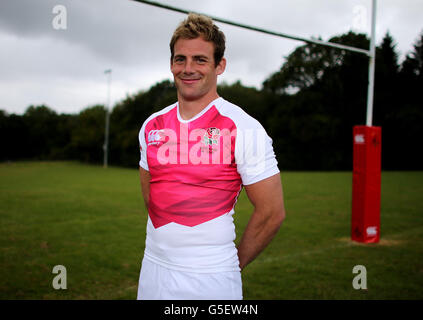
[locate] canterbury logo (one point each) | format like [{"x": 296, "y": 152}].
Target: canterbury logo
[{"x": 155, "y": 137}]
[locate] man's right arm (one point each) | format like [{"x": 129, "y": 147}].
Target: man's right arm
[{"x": 145, "y": 185}]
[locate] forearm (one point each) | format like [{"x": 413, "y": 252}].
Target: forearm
[
  {"x": 145, "y": 189},
  {"x": 146, "y": 196},
  {"x": 257, "y": 235},
  {"x": 145, "y": 185}
]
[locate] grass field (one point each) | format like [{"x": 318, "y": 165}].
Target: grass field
[{"x": 92, "y": 221}]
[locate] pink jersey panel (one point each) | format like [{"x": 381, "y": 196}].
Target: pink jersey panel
[{"x": 194, "y": 176}]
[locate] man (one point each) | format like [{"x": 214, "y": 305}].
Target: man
[{"x": 196, "y": 155}]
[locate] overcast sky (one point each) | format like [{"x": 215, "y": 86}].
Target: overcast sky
[{"x": 64, "y": 68}]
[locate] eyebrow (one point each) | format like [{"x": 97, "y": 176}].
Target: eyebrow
[{"x": 199, "y": 56}]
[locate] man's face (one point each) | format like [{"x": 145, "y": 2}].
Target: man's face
[{"x": 194, "y": 70}]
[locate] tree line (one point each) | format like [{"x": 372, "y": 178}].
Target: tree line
[{"x": 308, "y": 107}]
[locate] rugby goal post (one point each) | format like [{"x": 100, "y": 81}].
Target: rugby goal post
[{"x": 365, "y": 220}]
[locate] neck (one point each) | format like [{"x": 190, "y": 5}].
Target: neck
[{"x": 190, "y": 108}]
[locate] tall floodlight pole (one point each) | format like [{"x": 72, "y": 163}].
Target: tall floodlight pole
[
  {"x": 106, "y": 133},
  {"x": 372, "y": 58}
]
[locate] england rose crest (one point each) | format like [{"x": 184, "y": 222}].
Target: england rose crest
[{"x": 211, "y": 136}]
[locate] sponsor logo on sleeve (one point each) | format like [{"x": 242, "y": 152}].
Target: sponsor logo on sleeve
[{"x": 156, "y": 137}]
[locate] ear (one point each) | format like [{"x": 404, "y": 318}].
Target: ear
[{"x": 220, "y": 68}]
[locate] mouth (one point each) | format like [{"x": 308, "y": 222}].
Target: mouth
[{"x": 189, "y": 81}]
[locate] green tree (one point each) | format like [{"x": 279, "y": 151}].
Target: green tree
[
  {"x": 318, "y": 95},
  {"x": 13, "y": 137},
  {"x": 87, "y": 137},
  {"x": 386, "y": 102},
  {"x": 41, "y": 124},
  {"x": 407, "y": 120}
]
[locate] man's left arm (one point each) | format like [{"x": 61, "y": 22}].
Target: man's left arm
[{"x": 269, "y": 213}]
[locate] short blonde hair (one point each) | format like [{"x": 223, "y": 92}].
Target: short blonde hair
[{"x": 197, "y": 25}]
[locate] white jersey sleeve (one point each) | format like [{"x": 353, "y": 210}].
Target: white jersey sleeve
[
  {"x": 254, "y": 153},
  {"x": 143, "y": 147}
]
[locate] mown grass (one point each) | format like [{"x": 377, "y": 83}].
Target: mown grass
[{"x": 92, "y": 221}]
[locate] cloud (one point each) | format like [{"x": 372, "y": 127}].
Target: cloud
[{"x": 64, "y": 68}]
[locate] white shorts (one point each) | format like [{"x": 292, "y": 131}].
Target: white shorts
[{"x": 159, "y": 283}]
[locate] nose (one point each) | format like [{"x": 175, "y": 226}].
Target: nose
[{"x": 189, "y": 66}]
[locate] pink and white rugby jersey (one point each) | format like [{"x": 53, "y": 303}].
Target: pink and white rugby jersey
[{"x": 197, "y": 169}]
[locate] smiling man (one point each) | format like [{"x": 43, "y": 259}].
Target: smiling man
[
  {"x": 195, "y": 73},
  {"x": 196, "y": 155}
]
